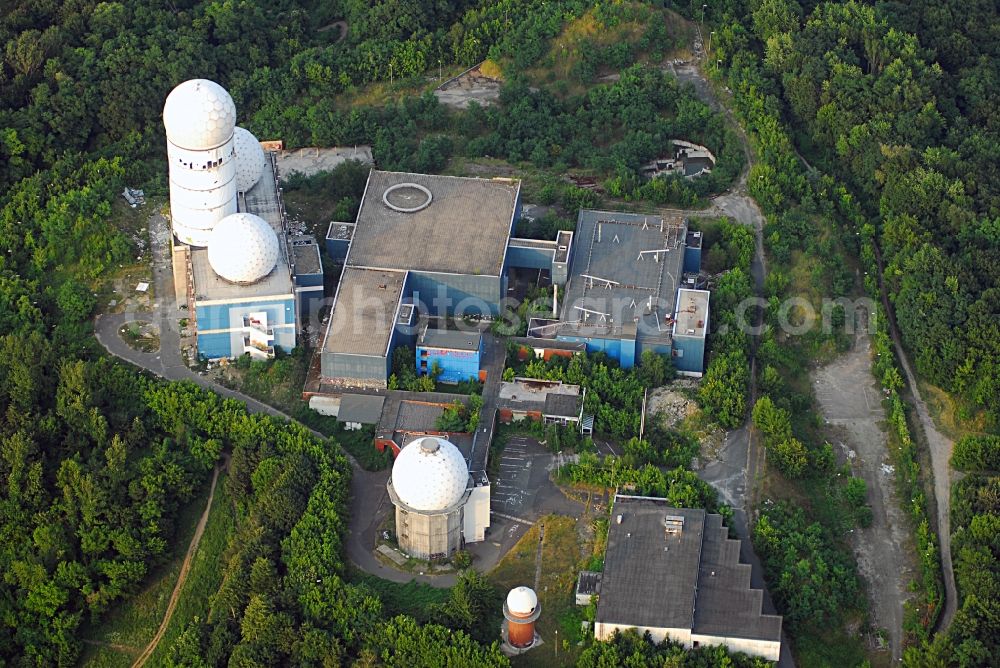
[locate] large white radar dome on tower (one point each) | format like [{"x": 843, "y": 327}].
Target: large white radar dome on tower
[
  {"x": 243, "y": 248},
  {"x": 430, "y": 474},
  {"x": 249, "y": 159},
  {"x": 199, "y": 114},
  {"x": 522, "y": 601}
]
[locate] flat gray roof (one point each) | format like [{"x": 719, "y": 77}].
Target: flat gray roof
[
  {"x": 451, "y": 339},
  {"x": 340, "y": 231},
  {"x": 364, "y": 313},
  {"x": 530, "y": 394},
  {"x": 692, "y": 313},
  {"x": 564, "y": 242},
  {"x": 261, "y": 200},
  {"x": 688, "y": 581},
  {"x": 625, "y": 273},
  {"x": 650, "y": 578},
  {"x": 464, "y": 229},
  {"x": 562, "y": 405},
  {"x": 540, "y": 244},
  {"x": 305, "y": 254},
  {"x": 363, "y": 408}
]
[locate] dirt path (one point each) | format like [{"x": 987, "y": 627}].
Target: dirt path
[
  {"x": 182, "y": 577},
  {"x": 940, "y": 449},
  {"x": 341, "y": 27},
  {"x": 538, "y": 556},
  {"x": 850, "y": 401},
  {"x": 118, "y": 647}
]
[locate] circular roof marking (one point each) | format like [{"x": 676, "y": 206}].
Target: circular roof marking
[{"x": 423, "y": 196}]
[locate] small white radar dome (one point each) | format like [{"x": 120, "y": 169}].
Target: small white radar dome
[
  {"x": 199, "y": 114},
  {"x": 249, "y": 159},
  {"x": 243, "y": 248},
  {"x": 522, "y": 601},
  {"x": 430, "y": 474}
]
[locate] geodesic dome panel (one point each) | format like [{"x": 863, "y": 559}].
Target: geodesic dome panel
[
  {"x": 243, "y": 248},
  {"x": 522, "y": 601},
  {"x": 249, "y": 159},
  {"x": 199, "y": 114},
  {"x": 430, "y": 474}
]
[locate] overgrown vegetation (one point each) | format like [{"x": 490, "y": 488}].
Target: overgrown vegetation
[
  {"x": 724, "y": 390},
  {"x": 614, "y": 395}
]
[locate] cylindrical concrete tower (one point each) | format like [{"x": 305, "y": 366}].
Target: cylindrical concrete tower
[
  {"x": 429, "y": 488},
  {"x": 199, "y": 117},
  {"x": 521, "y": 610}
]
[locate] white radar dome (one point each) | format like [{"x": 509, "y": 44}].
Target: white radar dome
[
  {"x": 430, "y": 474},
  {"x": 198, "y": 115},
  {"x": 249, "y": 159},
  {"x": 243, "y": 248},
  {"x": 522, "y": 601}
]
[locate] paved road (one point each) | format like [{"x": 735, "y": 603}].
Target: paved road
[{"x": 493, "y": 360}]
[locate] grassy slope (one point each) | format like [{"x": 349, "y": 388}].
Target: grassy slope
[
  {"x": 134, "y": 622},
  {"x": 205, "y": 575},
  {"x": 561, "y": 553}
]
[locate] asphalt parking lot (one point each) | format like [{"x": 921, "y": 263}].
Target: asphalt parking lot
[{"x": 513, "y": 492}]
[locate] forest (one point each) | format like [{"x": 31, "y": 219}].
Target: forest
[{"x": 885, "y": 106}]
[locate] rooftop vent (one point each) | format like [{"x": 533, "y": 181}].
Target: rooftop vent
[
  {"x": 673, "y": 524},
  {"x": 429, "y": 445}
]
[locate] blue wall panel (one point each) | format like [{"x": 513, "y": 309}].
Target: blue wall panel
[
  {"x": 213, "y": 346},
  {"x": 530, "y": 258},
  {"x": 475, "y": 295},
  {"x": 230, "y": 316},
  {"x": 620, "y": 350},
  {"x": 690, "y": 354},
  {"x": 692, "y": 260},
  {"x": 337, "y": 248},
  {"x": 456, "y": 365},
  {"x": 308, "y": 280}
]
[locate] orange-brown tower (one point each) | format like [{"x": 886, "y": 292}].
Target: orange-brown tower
[{"x": 521, "y": 610}]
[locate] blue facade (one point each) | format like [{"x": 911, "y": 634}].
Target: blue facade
[
  {"x": 689, "y": 354},
  {"x": 310, "y": 303},
  {"x": 621, "y": 350},
  {"x": 220, "y": 325},
  {"x": 530, "y": 258},
  {"x": 466, "y": 294},
  {"x": 309, "y": 280},
  {"x": 658, "y": 348},
  {"x": 337, "y": 248},
  {"x": 692, "y": 260},
  {"x": 212, "y": 346},
  {"x": 456, "y": 365}
]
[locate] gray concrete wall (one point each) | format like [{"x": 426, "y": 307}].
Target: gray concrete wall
[{"x": 426, "y": 536}]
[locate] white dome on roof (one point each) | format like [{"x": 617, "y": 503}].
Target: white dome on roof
[
  {"x": 522, "y": 601},
  {"x": 249, "y": 159},
  {"x": 199, "y": 114},
  {"x": 243, "y": 248},
  {"x": 430, "y": 474}
]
